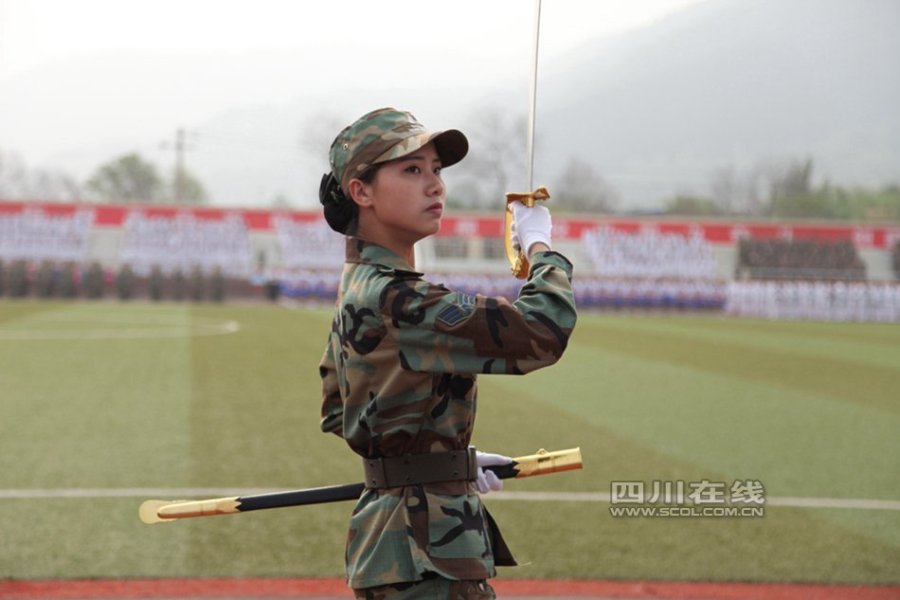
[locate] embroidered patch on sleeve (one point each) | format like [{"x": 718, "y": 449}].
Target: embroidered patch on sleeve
[{"x": 457, "y": 311}]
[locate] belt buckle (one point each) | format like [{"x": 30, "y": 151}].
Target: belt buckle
[{"x": 472, "y": 465}]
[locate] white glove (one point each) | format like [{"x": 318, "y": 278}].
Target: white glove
[
  {"x": 532, "y": 225},
  {"x": 517, "y": 246},
  {"x": 487, "y": 480}
]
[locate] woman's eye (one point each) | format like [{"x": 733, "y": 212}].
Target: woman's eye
[
  {"x": 412, "y": 169},
  {"x": 437, "y": 170}
]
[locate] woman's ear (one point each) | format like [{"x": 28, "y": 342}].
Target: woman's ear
[{"x": 360, "y": 192}]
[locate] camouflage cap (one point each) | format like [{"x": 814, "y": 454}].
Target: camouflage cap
[{"x": 386, "y": 134}]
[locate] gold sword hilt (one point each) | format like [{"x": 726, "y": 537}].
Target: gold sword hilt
[
  {"x": 544, "y": 462},
  {"x": 518, "y": 262}
]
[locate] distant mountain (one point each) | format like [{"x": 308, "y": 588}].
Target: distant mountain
[
  {"x": 725, "y": 84},
  {"x": 731, "y": 83},
  {"x": 247, "y": 116}
]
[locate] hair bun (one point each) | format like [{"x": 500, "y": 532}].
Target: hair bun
[{"x": 340, "y": 212}]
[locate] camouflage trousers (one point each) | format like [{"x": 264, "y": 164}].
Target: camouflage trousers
[{"x": 430, "y": 588}]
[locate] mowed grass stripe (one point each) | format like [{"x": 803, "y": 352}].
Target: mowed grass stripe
[
  {"x": 646, "y": 421},
  {"x": 254, "y": 422},
  {"x": 581, "y": 540},
  {"x": 86, "y": 413},
  {"x": 855, "y": 382},
  {"x": 886, "y": 335},
  {"x": 251, "y": 420},
  {"x": 257, "y": 391},
  {"x": 801, "y": 338},
  {"x": 806, "y": 445},
  {"x": 13, "y": 310},
  {"x": 94, "y": 408}
]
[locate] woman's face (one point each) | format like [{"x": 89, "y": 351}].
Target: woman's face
[{"x": 406, "y": 197}]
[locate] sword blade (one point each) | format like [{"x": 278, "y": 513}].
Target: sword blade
[{"x": 532, "y": 108}]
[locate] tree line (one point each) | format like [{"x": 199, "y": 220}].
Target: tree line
[
  {"x": 785, "y": 190},
  {"x": 129, "y": 178},
  {"x": 775, "y": 189}
]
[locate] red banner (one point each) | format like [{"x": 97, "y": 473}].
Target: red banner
[{"x": 478, "y": 225}]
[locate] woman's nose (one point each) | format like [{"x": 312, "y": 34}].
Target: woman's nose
[{"x": 436, "y": 185}]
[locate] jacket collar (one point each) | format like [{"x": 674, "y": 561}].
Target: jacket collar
[{"x": 367, "y": 253}]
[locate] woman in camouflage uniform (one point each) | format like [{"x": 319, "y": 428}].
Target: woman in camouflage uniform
[{"x": 399, "y": 370}]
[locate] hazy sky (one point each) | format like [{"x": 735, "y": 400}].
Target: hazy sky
[
  {"x": 83, "y": 81},
  {"x": 37, "y": 32}
]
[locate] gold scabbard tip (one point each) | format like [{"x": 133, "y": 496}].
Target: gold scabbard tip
[
  {"x": 164, "y": 511},
  {"x": 149, "y": 511},
  {"x": 199, "y": 508}
]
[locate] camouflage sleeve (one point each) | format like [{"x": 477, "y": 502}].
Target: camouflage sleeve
[
  {"x": 332, "y": 405},
  {"x": 438, "y": 330}
]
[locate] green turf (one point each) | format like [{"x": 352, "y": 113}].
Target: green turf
[{"x": 809, "y": 409}]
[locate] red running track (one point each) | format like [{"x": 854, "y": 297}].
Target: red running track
[{"x": 299, "y": 588}]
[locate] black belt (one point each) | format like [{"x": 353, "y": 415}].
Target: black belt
[{"x": 416, "y": 469}]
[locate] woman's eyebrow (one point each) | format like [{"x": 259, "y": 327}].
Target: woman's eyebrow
[{"x": 412, "y": 157}]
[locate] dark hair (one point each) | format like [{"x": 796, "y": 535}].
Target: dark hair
[{"x": 341, "y": 212}]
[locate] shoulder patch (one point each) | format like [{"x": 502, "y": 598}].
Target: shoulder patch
[{"x": 457, "y": 311}]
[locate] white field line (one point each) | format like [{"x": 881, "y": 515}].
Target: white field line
[
  {"x": 101, "y": 333},
  {"x": 188, "y": 493}
]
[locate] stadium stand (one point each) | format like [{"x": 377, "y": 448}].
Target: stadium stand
[
  {"x": 37, "y": 236},
  {"x": 309, "y": 284},
  {"x": 650, "y": 294},
  {"x": 308, "y": 245},
  {"x": 312, "y": 256},
  {"x": 649, "y": 270},
  {"x": 782, "y": 270},
  {"x": 184, "y": 242},
  {"x": 814, "y": 300},
  {"x": 799, "y": 259},
  {"x": 648, "y": 254}
]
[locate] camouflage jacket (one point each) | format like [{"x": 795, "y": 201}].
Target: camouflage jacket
[{"x": 398, "y": 377}]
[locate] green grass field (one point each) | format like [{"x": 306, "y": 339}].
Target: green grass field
[{"x": 108, "y": 397}]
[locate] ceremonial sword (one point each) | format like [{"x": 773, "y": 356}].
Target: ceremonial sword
[
  {"x": 162, "y": 511},
  {"x": 518, "y": 262}
]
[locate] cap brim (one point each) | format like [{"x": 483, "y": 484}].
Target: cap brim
[{"x": 451, "y": 146}]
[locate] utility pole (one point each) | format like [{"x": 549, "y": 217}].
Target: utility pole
[
  {"x": 179, "y": 166},
  {"x": 180, "y": 147}
]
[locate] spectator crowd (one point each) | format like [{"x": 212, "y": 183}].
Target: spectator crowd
[
  {"x": 815, "y": 300},
  {"x": 799, "y": 259},
  {"x": 47, "y": 254},
  {"x": 648, "y": 254},
  {"x": 33, "y": 235},
  {"x": 185, "y": 243},
  {"x": 308, "y": 245}
]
